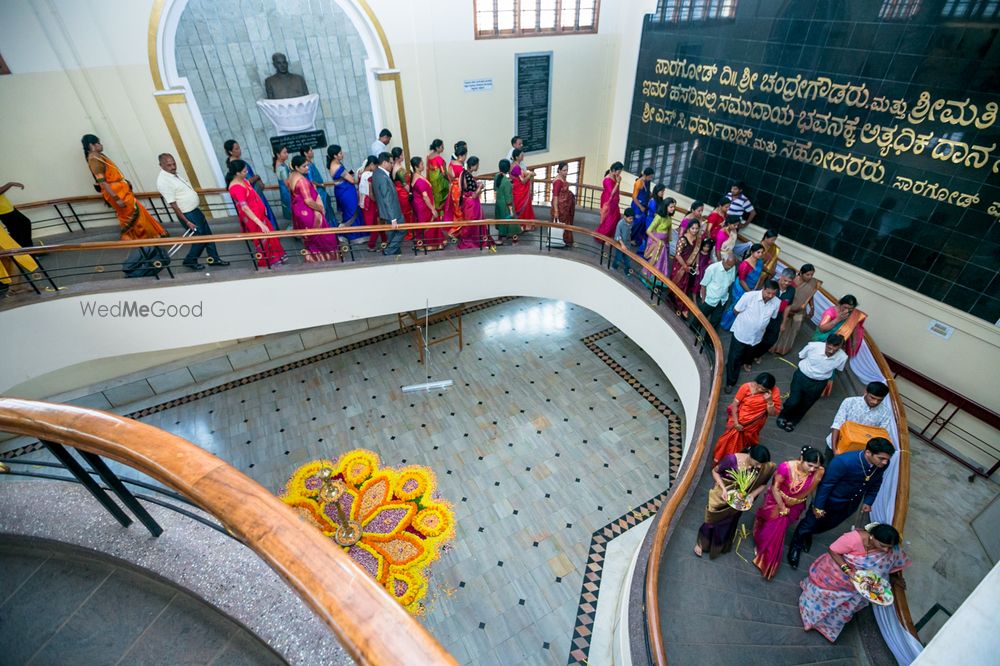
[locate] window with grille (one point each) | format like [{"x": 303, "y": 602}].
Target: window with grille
[
  {"x": 524, "y": 18},
  {"x": 668, "y": 161},
  {"x": 898, "y": 9},
  {"x": 680, "y": 11},
  {"x": 971, "y": 9}
]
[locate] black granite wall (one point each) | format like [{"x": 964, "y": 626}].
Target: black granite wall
[{"x": 875, "y": 139}]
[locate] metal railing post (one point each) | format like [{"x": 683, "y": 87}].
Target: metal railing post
[
  {"x": 123, "y": 493},
  {"x": 80, "y": 474}
]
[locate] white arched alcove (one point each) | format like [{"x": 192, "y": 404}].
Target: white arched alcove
[{"x": 174, "y": 83}]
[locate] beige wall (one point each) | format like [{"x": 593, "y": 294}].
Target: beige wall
[
  {"x": 78, "y": 67},
  {"x": 434, "y": 49},
  {"x": 898, "y": 319}
]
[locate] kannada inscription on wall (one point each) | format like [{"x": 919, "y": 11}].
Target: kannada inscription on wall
[{"x": 717, "y": 98}]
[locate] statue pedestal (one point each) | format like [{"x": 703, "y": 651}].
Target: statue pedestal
[{"x": 290, "y": 115}]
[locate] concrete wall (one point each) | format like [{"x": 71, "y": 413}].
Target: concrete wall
[{"x": 294, "y": 301}]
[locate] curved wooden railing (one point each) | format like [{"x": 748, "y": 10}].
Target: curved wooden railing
[
  {"x": 902, "y": 502},
  {"x": 371, "y": 625}
]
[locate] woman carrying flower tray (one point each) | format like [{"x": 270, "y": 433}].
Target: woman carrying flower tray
[{"x": 739, "y": 479}]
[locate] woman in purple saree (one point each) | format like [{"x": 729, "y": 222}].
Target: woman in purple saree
[{"x": 469, "y": 236}]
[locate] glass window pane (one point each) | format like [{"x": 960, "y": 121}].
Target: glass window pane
[
  {"x": 529, "y": 18},
  {"x": 505, "y": 5},
  {"x": 484, "y": 21},
  {"x": 567, "y": 18},
  {"x": 505, "y": 20},
  {"x": 547, "y": 20},
  {"x": 547, "y": 5},
  {"x": 587, "y": 18}
]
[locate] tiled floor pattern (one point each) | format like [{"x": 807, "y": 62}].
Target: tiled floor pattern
[{"x": 544, "y": 453}]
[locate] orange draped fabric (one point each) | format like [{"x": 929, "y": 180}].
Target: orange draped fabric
[
  {"x": 136, "y": 222},
  {"x": 752, "y": 416}
]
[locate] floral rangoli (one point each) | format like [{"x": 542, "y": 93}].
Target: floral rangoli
[{"x": 388, "y": 521}]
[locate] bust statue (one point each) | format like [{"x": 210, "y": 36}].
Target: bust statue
[{"x": 283, "y": 84}]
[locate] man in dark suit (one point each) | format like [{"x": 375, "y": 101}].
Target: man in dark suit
[{"x": 389, "y": 211}]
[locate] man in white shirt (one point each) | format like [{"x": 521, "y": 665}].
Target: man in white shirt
[
  {"x": 819, "y": 361},
  {"x": 381, "y": 144},
  {"x": 869, "y": 409},
  {"x": 183, "y": 200},
  {"x": 753, "y": 312},
  {"x": 516, "y": 143},
  {"x": 716, "y": 284}
]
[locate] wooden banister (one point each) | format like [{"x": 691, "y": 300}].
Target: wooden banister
[{"x": 370, "y": 624}]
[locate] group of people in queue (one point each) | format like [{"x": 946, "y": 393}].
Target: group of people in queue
[{"x": 385, "y": 191}]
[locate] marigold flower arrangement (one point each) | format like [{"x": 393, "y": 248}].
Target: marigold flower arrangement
[{"x": 403, "y": 523}]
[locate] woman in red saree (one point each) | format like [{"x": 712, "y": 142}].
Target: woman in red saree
[
  {"x": 135, "y": 221},
  {"x": 686, "y": 265},
  {"x": 453, "y": 204},
  {"x": 253, "y": 214},
  {"x": 522, "y": 179},
  {"x": 754, "y": 402},
  {"x": 563, "y": 202},
  {"x": 611, "y": 211},
  {"x": 369, "y": 208},
  {"x": 423, "y": 207},
  {"x": 792, "y": 484},
  {"x": 473, "y": 236}
]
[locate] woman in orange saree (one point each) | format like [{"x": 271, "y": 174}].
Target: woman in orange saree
[
  {"x": 136, "y": 222},
  {"x": 453, "y": 204},
  {"x": 754, "y": 402}
]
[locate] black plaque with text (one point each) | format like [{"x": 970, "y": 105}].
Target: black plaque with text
[
  {"x": 868, "y": 131},
  {"x": 299, "y": 141},
  {"x": 532, "y": 84}
]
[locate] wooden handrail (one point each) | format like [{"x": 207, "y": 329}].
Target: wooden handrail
[
  {"x": 370, "y": 624},
  {"x": 902, "y": 501}
]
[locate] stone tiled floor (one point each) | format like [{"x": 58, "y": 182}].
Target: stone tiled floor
[{"x": 514, "y": 445}]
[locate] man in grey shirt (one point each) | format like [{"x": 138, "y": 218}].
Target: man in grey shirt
[{"x": 389, "y": 211}]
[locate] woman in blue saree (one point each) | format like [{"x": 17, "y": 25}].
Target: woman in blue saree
[
  {"x": 234, "y": 152},
  {"x": 640, "y": 227},
  {"x": 345, "y": 191},
  {"x": 746, "y": 280}
]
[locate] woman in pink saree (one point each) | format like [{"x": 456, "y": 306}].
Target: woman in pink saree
[
  {"x": 469, "y": 236},
  {"x": 611, "y": 211},
  {"x": 308, "y": 212},
  {"x": 793, "y": 482},
  {"x": 829, "y": 599}
]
